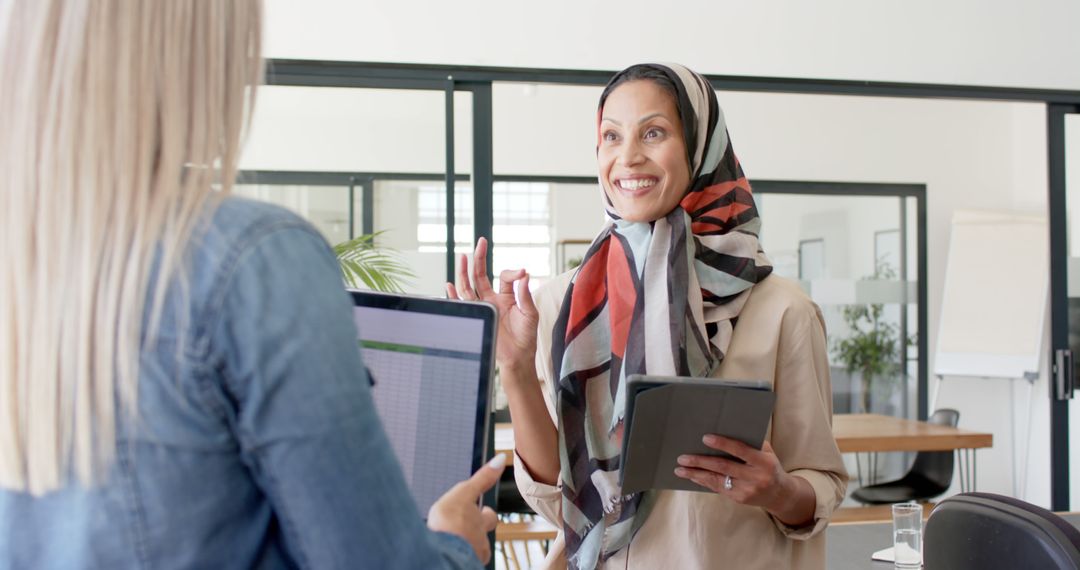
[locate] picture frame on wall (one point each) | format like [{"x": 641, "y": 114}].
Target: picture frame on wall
[{"x": 811, "y": 259}]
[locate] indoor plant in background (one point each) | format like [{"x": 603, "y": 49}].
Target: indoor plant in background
[
  {"x": 871, "y": 350},
  {"x": 365, "y": 265}
]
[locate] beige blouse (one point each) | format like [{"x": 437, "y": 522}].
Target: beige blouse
[{"x": 779, "y": 338}]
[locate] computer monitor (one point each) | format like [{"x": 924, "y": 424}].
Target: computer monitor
[{"x": 431, "y": 362}]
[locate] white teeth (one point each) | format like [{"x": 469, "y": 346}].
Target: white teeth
[{"x": 636, "y": 183}]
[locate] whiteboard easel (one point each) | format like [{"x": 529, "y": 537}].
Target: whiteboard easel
[{"x": 994, "y": 306}]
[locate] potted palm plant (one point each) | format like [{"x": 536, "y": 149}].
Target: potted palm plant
[
  {"x": 871, "y": 350},
  {"x": 366, "y": 265}
]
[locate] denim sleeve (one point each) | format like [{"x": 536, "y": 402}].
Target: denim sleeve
[{"x": 286, "y": 346}]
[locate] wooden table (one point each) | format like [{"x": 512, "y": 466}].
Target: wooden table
[
  {"x": 871, "y": 433},
  {"x": 857, "y": 433},
  {"x": 504, "y": 441},
  {"x": 867, "y": 433}
]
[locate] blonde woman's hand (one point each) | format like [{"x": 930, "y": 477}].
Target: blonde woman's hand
[
  {"x": 516, "y": 346},
  {"x": 760, "y": 481},
  {"x": 458, "y": 512}
]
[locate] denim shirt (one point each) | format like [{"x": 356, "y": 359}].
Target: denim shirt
[{"x": 256, "y": 443}]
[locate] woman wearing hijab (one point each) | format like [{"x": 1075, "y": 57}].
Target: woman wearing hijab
[{"x": 675, "y": 284}]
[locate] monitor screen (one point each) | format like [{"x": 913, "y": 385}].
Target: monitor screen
[{"x": 431, "y": 363}]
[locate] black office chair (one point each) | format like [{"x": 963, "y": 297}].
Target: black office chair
[
  {"x": 992, "y": 532},
  {"x": 508, "y": 500},
  {"x": 519, "y": 525},
  {"x": 930, "y": 475}
]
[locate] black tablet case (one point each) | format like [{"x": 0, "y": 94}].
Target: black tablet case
[{"x": 667, "y": 416}]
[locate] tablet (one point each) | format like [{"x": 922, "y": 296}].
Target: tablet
[
  {"x": 431, "y": 362},
  {"x": 666, "y": 416}
]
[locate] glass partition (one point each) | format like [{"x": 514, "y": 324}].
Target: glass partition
[
  {"x": 328, "y": 208},
  {"x": 560, "y": 120},
  {"x": 335, "y": 129},
  {"x": 358, "y": 160},
  {"x": 1072, "y": 195},
  {"x": 355, "y": 161},
  {"x": 411, "y": 216},
  {"x": 856, "y": 257}
]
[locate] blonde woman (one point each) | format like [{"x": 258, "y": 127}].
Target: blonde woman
[{"x": 179, "y": 380}]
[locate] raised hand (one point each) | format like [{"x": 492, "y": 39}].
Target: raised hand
[
  {"x": 535, "y": 438},
  {"x": 516, "y": 347}
]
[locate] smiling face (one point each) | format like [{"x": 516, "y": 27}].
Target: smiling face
[{"x": 642, "y": 155}]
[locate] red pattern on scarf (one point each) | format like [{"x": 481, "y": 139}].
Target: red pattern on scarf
[
  {"x": 709, "y": 194},
  {"x": 622, "y": 296},
  {"x": 590, "y": 293}
]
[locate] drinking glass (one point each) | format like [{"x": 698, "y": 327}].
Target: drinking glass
[{"x": 907, "y": 535}]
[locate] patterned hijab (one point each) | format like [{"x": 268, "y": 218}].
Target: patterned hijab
[{"x": 658, "y": 298}]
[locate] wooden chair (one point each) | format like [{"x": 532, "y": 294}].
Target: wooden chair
[{"x": 522, "y": 530}]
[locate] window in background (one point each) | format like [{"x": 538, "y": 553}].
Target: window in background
[
  {"x": 522, "y": 224},
  {"x": 431, "y": 218}
]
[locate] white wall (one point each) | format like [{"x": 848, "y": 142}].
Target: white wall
[
  {"x": 355, "y": 130},
  {"x": 970, "y": 155},
  {"x": 980, "y": 42}
]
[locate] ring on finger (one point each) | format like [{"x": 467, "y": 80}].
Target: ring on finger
[{"x": 727, "y": 483}]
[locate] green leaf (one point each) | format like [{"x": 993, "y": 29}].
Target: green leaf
[{"x": 365, "y": 265}]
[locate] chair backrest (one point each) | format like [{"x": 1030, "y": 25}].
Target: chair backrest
[
  {"x": 991, "y": 532},
  {"x": 937, "y": 466}
]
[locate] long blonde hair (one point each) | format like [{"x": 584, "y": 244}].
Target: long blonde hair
[{"x": 117, "y": 119}]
